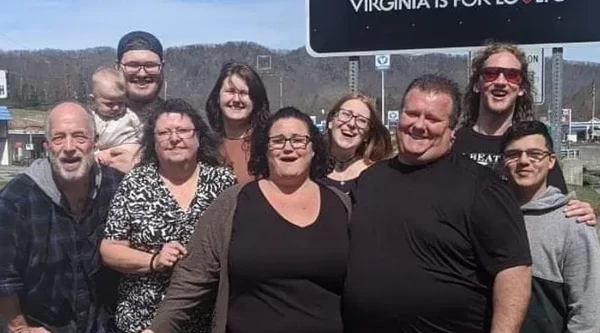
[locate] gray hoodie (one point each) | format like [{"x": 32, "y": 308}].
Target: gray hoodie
[
  {"x": 40, "y": 171},
  {"x": 566, "y": 268}
]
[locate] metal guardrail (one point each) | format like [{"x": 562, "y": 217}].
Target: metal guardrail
[{"x": 569, "y": 154}]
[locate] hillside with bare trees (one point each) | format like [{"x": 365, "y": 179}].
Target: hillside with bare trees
[{"x": 40, "y": 78}]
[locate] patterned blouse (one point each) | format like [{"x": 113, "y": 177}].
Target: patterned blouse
[{"x": 144, "y": 212}]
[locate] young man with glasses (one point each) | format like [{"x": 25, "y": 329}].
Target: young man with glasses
[
  {"x": 566, "y": 256},
  {"x": 140, "y": 58},
  {"x": 499, "y": 95}
]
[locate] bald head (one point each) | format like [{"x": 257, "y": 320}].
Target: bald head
[{"x": 70, "y": 110}]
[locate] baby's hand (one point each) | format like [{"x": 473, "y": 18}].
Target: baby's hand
[{"x": 103, "y": 156}]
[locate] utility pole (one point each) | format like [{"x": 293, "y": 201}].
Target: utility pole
[
  {"x": 383, "y": 97},
  {"x": 593, "y": 108},
  {"x": 353, "y": 67},
  {"x": 557, "y": 90},
  {"x": 280, "y": 91}
]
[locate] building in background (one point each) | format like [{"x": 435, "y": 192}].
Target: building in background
[{"x": 5, "y": 117}]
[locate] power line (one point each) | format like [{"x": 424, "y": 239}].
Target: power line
[{"x": 13, "y": 41}]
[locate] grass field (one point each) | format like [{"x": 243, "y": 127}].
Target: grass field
[
  {"x": 24, "y": 118},
  {"x": 24, "y": 113},
  {"x": 588, "y": 194}
]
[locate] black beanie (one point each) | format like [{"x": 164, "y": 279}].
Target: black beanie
[{"x": 144, "y": 41}]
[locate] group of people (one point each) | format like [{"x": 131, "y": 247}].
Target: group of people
[{"x": 151, "y": 216}]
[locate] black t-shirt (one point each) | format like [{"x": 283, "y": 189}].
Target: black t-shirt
[
  {"x": 345, "y": 186},
  {"x": 485, "y": 150},
  {"x": 285, "y": 278},
  {"x": 425, "y": 245}
]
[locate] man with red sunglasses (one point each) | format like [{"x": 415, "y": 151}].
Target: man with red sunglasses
[{"x": 499, "y": 95}]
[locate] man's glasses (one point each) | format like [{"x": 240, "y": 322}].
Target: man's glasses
[
  {"x": 534, "y": 155},
  {"x": 182, "y": 133},
  {"x": 345, "y": 116},
  {"x": 131, "y": 68},
  {"x": 491, "y": 74},
  {"x": 297, "y": 141}
]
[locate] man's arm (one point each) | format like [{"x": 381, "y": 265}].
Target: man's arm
[
  {"x": 581, "y": 272},
  {"x": 10, "y": 280},
  {"x": 512, "y": 292},
  {"x": 500, "y": 241},
  {"x": 556, "y": 179}
]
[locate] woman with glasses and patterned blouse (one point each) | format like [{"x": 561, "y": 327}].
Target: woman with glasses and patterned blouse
[
  {"x": 273, "y": 250},
  {"x": 356, "y": 138},
  {"x": 155, "y": 210}
]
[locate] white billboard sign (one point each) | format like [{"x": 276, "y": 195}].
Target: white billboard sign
[{"x": 3, "y": 85}]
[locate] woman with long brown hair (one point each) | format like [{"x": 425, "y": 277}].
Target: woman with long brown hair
[
  {"x": 357, "y": 138},
  {"x": 237, "y": 105}
]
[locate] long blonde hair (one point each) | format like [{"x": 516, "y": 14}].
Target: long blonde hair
[{"x": 524, "y": 104}]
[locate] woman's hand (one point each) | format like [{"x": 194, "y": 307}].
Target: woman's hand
[{"x": 168, "y": 256}]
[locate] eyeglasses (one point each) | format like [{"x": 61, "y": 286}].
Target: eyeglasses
[
  {"x": 182, "y": 133},
  {"x": 512, "y": 75},
  {"x": 296, "y": 141},
  {"x": 151, "y": 68},
  {"x": 534, "y": 155},
  {"x": 346, "y": 115}
]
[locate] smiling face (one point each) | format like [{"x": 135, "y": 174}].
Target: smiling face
[
  {"x": 290, "y": 151},
  {"x": 424, "y": 132},
  {"x": 176, "y": 139},
  {"x": 143, "y": 74},
  {"x": 528, "y": 161},
  {"x": 234, "y": 99},
  {"x": 499, "y": 91},
  {"x": 350, "y": 125},
  {"x": 70, "y": 142}
]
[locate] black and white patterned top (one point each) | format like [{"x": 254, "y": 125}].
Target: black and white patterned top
[{"x": 144, "y": 212}]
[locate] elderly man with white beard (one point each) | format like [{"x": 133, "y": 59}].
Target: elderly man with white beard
[{"x": 51, "y": 222}]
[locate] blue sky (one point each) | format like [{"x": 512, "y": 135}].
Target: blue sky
[{"x": 76, "y": 24}]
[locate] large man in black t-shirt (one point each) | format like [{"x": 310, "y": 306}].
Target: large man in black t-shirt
[
  {"x": 499, "y": 94},
  {"x": 437, "y": 242}
]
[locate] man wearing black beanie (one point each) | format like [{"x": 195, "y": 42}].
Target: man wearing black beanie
[{"x": 140, "y": 58}]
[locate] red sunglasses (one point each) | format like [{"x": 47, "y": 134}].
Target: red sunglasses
[{"x": 512, "y": 75}]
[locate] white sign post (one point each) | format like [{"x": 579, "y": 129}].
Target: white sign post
[
  {"x": 3, "y": 85},
  {"x": 393, "y": 117},
  {"x": 535, "y": 60},
  {"x": 382, "y": 63},
  {"x": 537, "y": 70}
]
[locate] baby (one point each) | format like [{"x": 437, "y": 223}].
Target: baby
[{"x": 119, "y": 129}]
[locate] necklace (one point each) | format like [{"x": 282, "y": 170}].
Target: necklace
[
  {"x": 342, "y": 164},
  {"x": 244, "y": 136}
]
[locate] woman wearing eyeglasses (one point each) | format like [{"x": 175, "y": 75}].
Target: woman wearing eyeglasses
[
  {"x": 237, "y": 105},
  {"x": 274, "y": 250},
  {"x": 356, "y": 138},
  {"x": 155, "y": 209}
]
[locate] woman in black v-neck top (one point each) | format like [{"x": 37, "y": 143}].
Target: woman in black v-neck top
[{"x": 285, "y": 278}]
